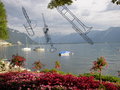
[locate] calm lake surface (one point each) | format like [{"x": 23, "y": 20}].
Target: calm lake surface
[{"x": 79, "y": 62}]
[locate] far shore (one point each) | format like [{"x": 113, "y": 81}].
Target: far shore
[{"x": 5, "y": 43}]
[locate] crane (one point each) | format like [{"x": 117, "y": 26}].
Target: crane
[
  {"x": 47, "y": 36},
  {"x": 77, "y": 25},
  {"x": 28, "y": 27}
]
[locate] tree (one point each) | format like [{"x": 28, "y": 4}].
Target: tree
[
  {"x": 116, "y": 2},
  {"x": 3, "y": 22},
  {"x": 99, "y": 65},
  {"x": 56, "y": 3}
]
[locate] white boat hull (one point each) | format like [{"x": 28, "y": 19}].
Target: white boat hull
[
  {"x": 65, "y": 53},
  {"x": 39, "y": 49},
  {"x": 26, "y": 49}
]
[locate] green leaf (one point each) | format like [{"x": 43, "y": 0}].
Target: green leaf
[
  {"x": 3, "y": 23},
  {"x": 57, "y": 3}
]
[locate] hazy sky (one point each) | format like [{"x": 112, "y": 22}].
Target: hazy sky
[{"x": 100, "y": 14}]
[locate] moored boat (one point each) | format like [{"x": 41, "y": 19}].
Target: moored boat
[
  {"x": 39, "y": 49},
  {"x": 64, "y": 53},
  {"x": 26, "y": 49}
]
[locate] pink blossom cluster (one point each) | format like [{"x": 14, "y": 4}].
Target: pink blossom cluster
[
  {"x": 49, "y": 81},
  {"x": 17, "y": 60},
  {"x": 99, "y": 64}
]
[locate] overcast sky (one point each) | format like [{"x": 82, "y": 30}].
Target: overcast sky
[{"x": 100, "y": 14}]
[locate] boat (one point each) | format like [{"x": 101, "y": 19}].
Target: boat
[
  {"x": 39, "y": 49},
  {"x": 47, "y": 36},
  {"x": 64, "y": 53},
  {"x": 26, "y": 48}
]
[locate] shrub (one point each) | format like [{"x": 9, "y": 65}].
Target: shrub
[
  {"x": 17, "y": 60},
  {"x": 38, "y": 65},
  {"x": 53, "y": 70},
  {"x": 57, "y": 65},
  {"x": 46, "y": 81},
  {"x": 99, "y": 65},
  {"x": 103, "y": 77},
  {"x": 2, "y": 65},
  {"x": 110, "y": 86}
]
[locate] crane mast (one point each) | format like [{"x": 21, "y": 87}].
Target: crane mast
[
  {"x": 47, "y": 36},
  {"x": 77, "y": 25},
  {"x": 28, "y": 27}
]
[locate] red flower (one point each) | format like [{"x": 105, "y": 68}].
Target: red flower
[
  {"x": 17, "y": 60},
  {"x": 99, "y": 64},
  {"x": 43, "y": 81}
]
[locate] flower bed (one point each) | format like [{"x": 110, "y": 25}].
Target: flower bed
[{"x": 46, "y": 81}]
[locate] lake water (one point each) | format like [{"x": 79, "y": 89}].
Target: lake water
[{"x": 79, "y": 62}]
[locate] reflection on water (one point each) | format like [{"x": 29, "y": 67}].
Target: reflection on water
[{"x": 79, "y": 62}]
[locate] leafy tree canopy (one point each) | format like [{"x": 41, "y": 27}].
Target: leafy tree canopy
[
  {"x": 116, "y": 2},
  {"x": 3, "y": 22},
  {"x": 56, "y": 3}
]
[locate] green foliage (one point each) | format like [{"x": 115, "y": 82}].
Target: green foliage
[
  {"x": 2, "y": 65},
  {"x": 56, "y": 3},
  {"x": 101, "y": 87},
  {"x": 103, "y": 77},
  {"x": 116, "y": 2},
  {"x": 38, "y": 65},
  {"x": 99, "y": 64},
  {"x": 3, "y": 23},
  {"x": 57, "y": 71},
  {"x": 53, "y": 70},
  {"x": 57, "y": 65},
  {"x": 95, "y": 75},
  {"x": 58, "y": 88}
]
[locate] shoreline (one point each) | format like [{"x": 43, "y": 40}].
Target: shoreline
[{"x": 5, "y": 43}]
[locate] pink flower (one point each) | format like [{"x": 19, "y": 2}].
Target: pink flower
[{"x": 17, "y": 60}]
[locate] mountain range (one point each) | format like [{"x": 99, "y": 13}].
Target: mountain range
[
  {"x": 112, "y": 34},
  {"x": 15, "y": 36}
]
